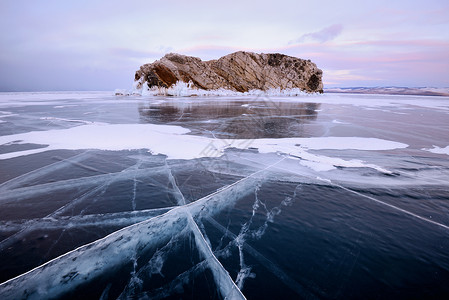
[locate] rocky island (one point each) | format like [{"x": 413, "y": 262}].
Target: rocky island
[{"x": 240, "y": 72}]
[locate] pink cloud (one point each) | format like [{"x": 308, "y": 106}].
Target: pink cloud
[
  {"x": 402, "y": 43},
  {"x": 374, "y": 63}
]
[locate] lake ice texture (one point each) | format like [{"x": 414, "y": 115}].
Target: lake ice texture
[{"x": 333, "y": 196}]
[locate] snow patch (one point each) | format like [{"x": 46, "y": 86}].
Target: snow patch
[
  {"x": 64, "y": 106},
  {"x": 174, "y": 142},
  {"x": 438, "y": 150}
]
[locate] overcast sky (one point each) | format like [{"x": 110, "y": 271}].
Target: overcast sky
[{"x": 98, "y": 45}]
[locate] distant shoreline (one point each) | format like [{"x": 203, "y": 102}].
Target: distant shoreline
[{"x": 391, "y": 91}]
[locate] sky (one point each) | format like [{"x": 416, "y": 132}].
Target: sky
[{"x": 48, "y": 45}]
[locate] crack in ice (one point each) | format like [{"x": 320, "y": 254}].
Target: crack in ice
[
  {"x": 228, "y": 288},
  {"x": 20, "y": 180},
  {"x": 60, "y": 222},
  {"x": 50, "y": 277}
]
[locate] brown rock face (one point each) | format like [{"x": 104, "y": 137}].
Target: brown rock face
[{"x": 239, "y": 71}]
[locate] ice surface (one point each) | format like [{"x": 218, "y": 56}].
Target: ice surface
[
  {"x": 61, "y": 222},
  {"x": 67, "y": 272},
  {"x": 4, "y": 115},
  {"x": 428, "y": 220},
  {"x": 86, "y": 263},
  {"x": 20, "y": 180},
  {"x": 38, "y": 98},
  {"x": 228, "y": 288},
  {"x": 90, "y": 181},
  {"x": 70, "y": 120},
  {"x": 266, "y": 263},
  {"x": 159, "y": 197}
]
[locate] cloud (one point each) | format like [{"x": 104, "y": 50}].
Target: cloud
[
  {"x": 405, "y": 44},
  {"x": 379, "y": 62},
  {"x": 321, "y": 36}
]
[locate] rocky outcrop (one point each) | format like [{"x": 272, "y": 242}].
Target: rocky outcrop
[{"x": 240, "y": 71}]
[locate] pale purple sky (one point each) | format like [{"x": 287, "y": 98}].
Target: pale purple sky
[{"x": 98, "y": 45}]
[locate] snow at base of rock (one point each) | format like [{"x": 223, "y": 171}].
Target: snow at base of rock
[{"x": 182, "y": 89}]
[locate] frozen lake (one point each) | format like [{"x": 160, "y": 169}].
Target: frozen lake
[{"x": 325, "y": 196}]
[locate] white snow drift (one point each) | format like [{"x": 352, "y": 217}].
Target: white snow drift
[{"x": 175, "y": 143}]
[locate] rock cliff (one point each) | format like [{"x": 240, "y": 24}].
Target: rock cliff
[{"x": 240, "y": 71}]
